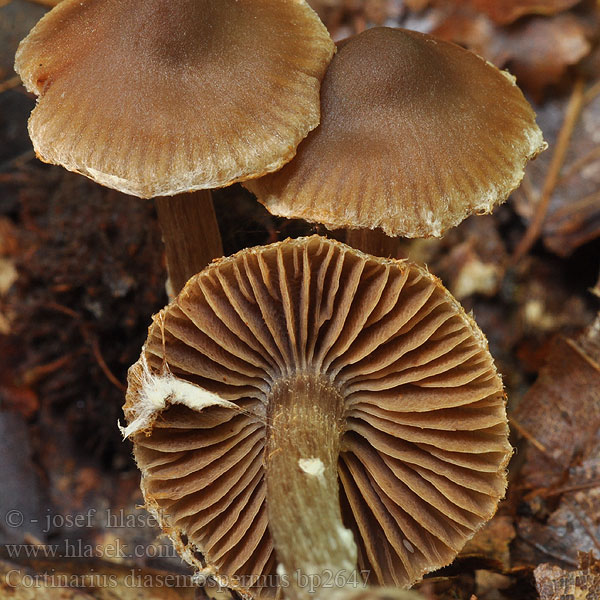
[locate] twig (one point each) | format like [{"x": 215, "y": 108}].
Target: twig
[
  {"x": 584, "y": 355},
  {"x": 577, "y": 165},
  {"x": 576, "y": 208},
  {"x": 63, "y": 309},
  {"x": 89, "y": 337},
  {"x": 570, "y": 488},
  {"x": 528, "y": 192},
  {"x": 591, "y": 94},
  {"x": 38, "y": 372},
  {"x": 528, "y": 436},
  {"x": 562, "y": 144},
  {"x": 17, "y": 162},
  {"x": 10, "y": 83},
  {"x": 103, "y": 365}
]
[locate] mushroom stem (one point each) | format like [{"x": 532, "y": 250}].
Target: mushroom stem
[
  {"x": 314, "y": 548},
  {"x": 190, "y": 233},
  {"x": 373, "y": 241}
]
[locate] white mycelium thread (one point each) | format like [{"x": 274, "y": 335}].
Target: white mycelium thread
[{"x": 158, "y": 390}]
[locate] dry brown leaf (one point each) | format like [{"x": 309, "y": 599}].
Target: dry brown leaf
[
  {"x": 554, "y": 583},
  {"x": 573, "y": 216},
  {"x": 562, "y": 409},
  {"x": 540, "y": 50},
  {"x": 474, "y": 261},
  {"x": 380, "y": 12},
  {"x": 492, "y": 541},
  {"x": 560, "y": 416},
  {"x": 504, "y": 12},
  {"x": 537, "y": 51},
  {"x": 572, "y": 527},
  {"x": 489, "y": 584}
]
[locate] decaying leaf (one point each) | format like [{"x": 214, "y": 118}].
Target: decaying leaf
[
  {"x": 537, "y": 51},
  {"x": 572, "y": 527},
  {"x": 474, "y": 259},
  {"x": 560, "y": 416},
  {"x": 553, "y": 583},
  {"x": 381, "y": 12},
  {"x": 573, "y": 216},
  {"x": 568, "y": 390},
  {"x": 489, "y": 585},
  {"x": 492, "y": 541},
  {"x": 507, "y": 11}
]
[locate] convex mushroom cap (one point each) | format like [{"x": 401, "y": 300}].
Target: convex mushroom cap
[
  {"x": 295, "y": 384},
  {"x": 156, "y": 98},
  {"x": 416, "y": 134}
]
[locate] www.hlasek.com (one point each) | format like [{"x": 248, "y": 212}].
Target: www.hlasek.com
[
  {"x": 137, "y": 578},
  {"x": 78, "y": 549}
]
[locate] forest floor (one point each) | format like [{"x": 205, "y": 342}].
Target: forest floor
[{"x": 82, "y": 270}]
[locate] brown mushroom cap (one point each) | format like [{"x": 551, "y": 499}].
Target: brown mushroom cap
[
  {"x": 416, "y": 134},
  {"x": 424, "y": 432},
  {"x": 156, "y": 98}
]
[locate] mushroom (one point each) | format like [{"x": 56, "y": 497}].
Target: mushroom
[
  {"x": 156, "y": 98},
  {"x": 302, "y": 410},
  {"x": 416, "y": 134}
]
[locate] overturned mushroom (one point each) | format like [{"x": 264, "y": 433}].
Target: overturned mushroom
[
  {"x": 416, "y": 134},
  {"x": 157, "y": 98},
  {"x": 304, "y": 409}
]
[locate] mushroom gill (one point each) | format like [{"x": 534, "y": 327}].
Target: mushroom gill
[{"x": 303, "y": 410}]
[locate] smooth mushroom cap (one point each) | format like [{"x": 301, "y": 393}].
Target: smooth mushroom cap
[
  {"x": 156, "y": 98},
  {"x": 416, "y": 134},
  {"x": 424, "y": 441}
]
